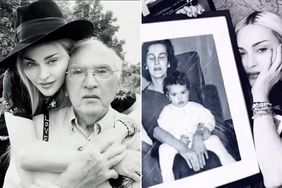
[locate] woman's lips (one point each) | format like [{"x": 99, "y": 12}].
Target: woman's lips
[
  {"x": 46, "y": 85},
  {"x": 253, "y": 75},
  {"x": 157, "y": 69}
]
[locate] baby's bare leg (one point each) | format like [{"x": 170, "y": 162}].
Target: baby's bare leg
[{"x": 166, "y": 157}]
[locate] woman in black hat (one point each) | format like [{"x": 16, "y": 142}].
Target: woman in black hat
[{"x": 44, "y": 43}]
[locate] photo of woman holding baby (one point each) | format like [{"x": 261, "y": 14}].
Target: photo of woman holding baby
[{"x": 173, "y": 149}]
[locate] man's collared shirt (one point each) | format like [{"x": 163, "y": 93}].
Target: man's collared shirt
[{"x": 65, "y": 131}]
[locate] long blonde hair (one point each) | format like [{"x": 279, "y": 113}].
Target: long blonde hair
[{"x": 33, "y": 92}]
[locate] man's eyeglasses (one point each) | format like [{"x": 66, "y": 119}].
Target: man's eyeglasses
[{"x": 79, "y": 74}]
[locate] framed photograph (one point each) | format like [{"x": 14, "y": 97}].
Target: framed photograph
[
  {"x": 167, "y": 7},
  {"x": 205, "y": 50}
]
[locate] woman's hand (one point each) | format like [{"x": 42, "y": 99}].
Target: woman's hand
[
  {"x": 189, "y": 155},
  {"x": 130, "y": 165},
  {"x": 268, "y": 77},
  {"x": 115, "y": 135},
  {"x": 93, "y": 166},
  {"x": 200, "y": 149},
  {"x": 191, "y": 158},
  {"x": 191, "y": 11}
]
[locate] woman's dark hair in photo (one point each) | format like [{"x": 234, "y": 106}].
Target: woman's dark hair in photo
[
  {"x": 170, "y": 53},
  {"x": 175, "y": 78}
]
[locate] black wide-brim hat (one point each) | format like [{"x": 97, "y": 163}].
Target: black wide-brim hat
[{"x": 43, "y": 21}]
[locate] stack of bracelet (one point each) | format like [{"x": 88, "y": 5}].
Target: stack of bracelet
[{"x": 261, "y": 109}]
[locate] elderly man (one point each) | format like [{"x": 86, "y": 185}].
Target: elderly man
[
  {"x": 90, "y": 126},
  {"x": 92, "y": 81}
]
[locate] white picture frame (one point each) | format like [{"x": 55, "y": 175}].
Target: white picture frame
[{"x": 217, "y": 25}]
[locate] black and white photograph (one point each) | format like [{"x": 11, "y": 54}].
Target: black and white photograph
[
  {"x": 195, "y": 125},
  {"x": 70, "y": 94},
  {"x": 192, "y": 8}
]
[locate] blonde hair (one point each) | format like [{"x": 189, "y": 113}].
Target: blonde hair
[
  {"x": 82, "y": 44},
  {"x": 33, "y": 92},
  {"x": 265, "y": 19}
]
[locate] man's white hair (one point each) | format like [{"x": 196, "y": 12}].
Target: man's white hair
[{"x": 82, "y": 44}]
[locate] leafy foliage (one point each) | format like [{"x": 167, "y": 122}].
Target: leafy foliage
[
  {"x": 104, "y": 23},
  {"x": 7, "y": 30},
  {"x": 131, "y": 77}
]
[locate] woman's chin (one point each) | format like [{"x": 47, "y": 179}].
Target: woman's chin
[{"x": 47, "y": 93}]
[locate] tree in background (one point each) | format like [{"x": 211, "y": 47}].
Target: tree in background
[
  {"x": 104, "y": 28},
  {"x": 131, "y": 77}
]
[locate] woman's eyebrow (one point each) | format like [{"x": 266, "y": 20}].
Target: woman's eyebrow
[
  {"x": 27, "y": 58},
  {"x": 45, "y": 58},
  {"x": 257, "y": 43},
  {"x": 49, "y": 56}
]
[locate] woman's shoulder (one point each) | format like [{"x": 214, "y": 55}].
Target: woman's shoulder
[
  {"x": 148, "y": 94},
  {"x": 17, "y": 111}
]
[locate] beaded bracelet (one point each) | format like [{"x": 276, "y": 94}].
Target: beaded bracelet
[
  {"x": 129, "y": 124},
  {"x": 261, "y": 105},
  {"x": 261, "y": 109}
]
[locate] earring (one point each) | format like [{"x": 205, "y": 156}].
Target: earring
[
  {"x": 146, "y": 67},
  {"x": 168, "y": 65}
]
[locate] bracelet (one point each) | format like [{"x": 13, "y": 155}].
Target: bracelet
[
  {"x": 261, "y": 106},
  {"x": 257, "y": 105},
  {"x": 262, "y": 113},
  {"x": 129, "y": 124},
  {"x": 261, "y": 109}
]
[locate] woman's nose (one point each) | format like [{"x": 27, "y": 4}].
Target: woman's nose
[
  {"x": 157, "y": 61},
  {"x": 251, "y": 61},
  {"x": 44, "y": 73}
]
